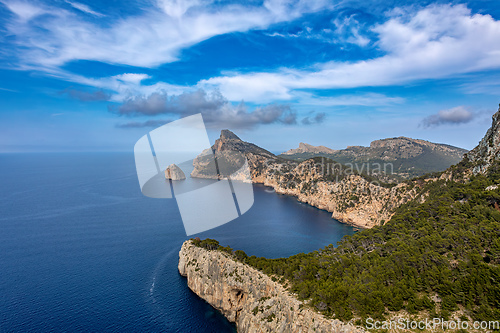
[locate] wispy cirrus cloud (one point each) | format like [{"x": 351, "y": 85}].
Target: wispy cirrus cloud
[
  {"x": 348, "y": 29},
  {"x": 141, "y": 124},
  {"x": 363, "y": 99},
  {"x": 437, "y": 41},
  {"x": 156, "y": 37},
  {"x": 84, "y": 8},
  {"x": 87, "y": 96},
  {"x": 10, "y": 90},
  {"x": 342, "y": 30},
  {"x": 23, "y": 10}
]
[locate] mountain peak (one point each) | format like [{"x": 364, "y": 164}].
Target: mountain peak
[
  {"x": 228, "y": 135},
  {"x": 231, "y": 142}
]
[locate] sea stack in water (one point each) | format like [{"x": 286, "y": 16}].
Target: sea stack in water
[{"x": 174, "y": 172}]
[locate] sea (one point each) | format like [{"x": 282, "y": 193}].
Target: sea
[{"x": 82, "y": 250}]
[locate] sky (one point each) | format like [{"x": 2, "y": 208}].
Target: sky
[{"x": 98, "y": 75}]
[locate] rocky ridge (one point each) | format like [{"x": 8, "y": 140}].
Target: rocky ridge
[
  {"x": 487, "y": 151},
  {"x": 248, "y": 297},
  {"x": 307, "y": 148},
  {"x": 408, "y": 157}
]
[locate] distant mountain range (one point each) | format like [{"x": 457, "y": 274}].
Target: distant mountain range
[
  {"x": 408, "y": 157},
  {"x": 305, "y": 148}
]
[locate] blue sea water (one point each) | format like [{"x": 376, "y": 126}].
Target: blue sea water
[{"x": 82, "y": 250}]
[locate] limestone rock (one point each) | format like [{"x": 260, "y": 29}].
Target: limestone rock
[
  {"x": 488, "y": 150},
  {"x": 248, "y": 297},
  {"x": 307, "y": 148},
  {"x": 174, "y": 172},
  {"x": 230, "y": 150}
]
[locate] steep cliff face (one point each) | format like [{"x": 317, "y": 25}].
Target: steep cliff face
[
  {"x": 249, "y": 298},
  {"x": 350, "y": 198},
  {"x": 229, "y": 149},
  {"x": 488, "y": 150}
]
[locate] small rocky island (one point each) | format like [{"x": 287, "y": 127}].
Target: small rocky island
[{"x": 173, "y": 172}]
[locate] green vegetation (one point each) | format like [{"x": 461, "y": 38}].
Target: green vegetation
[
  {"x": 424, "y": 161},
  {"x": 429, "y": 258},
  {"x": 333, "y": 171},
  {"x": 208, "y": 244}
]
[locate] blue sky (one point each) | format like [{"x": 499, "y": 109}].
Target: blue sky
[{"x": 97, "y": 75}]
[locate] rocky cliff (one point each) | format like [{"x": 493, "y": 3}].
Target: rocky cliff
[
  {"x": 487, "y": 151},
  {"x": 174, "y": 172},
  {"x": 230, "y": 150},
  {"x": 248, "y": 297}
]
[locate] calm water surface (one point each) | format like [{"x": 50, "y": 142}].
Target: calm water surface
[{"x": 82, "y": 250}]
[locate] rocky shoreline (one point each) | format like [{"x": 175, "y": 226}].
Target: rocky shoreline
[
  {"x": 352, "y": 199},
  {"x": 249, "y": 298}
]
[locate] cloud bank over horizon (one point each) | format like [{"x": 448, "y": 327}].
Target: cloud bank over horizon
[{"x": 217, "y": 111}]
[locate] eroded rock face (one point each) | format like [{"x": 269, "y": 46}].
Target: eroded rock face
[
  {"x": 229, "y": 147},
  {"x": 352, "y": 200},
  {"x": 249, "y": 298},
  {"x": 488, "y": 149},
  {"x": 174, "y": 172}
]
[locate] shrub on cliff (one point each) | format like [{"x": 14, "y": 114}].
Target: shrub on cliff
[{"x": 208, "y": 244}]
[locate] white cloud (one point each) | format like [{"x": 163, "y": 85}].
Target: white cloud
[
  {"x": 23, "y": 10},
  {"x": 124, "y": 86},
  {"x": 148, "y": 40},
  {"x": 177, "y": 8},
  {"x": 438, "y": 41},
  {"x": 345, "y": 30},
  {"x": 260, "y": 87},
  {"x": 454, "y": 116},
  {"x": 349, "y": 30},
  {"x": 84, "y": 8}
]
